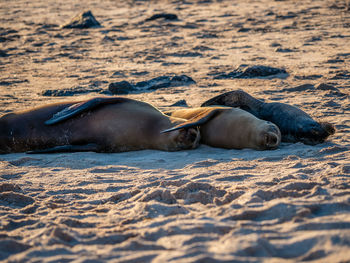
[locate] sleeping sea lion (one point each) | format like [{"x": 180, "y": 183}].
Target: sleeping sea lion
[
  {"x": 231, "y": 128},
  {"x": 295, "y": 125},
  {"x": 105, "y": 124}
]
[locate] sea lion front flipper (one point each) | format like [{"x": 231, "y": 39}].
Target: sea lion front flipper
[
  {"x": 197, "y": 120},
  {"x": 80, "y": 107},
  {"x": 91, "y": 147}
]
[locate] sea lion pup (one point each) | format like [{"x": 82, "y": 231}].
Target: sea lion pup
[
  {"x": 105, "y": 124},
  {"x": 294, "y": 124},
  {"x": 231, "y": 128}
]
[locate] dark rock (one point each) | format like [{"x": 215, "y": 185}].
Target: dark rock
[
  {"x": 69, "y": 92},
  {"x": 181, "y": 80},
  {"x": 284, "y": 50},
  {"x": 314, "y": 39},
  {"x": 139, "y": 73},
  {"x": 180, "y": 103},
  {"x": 164, "y": 82},
  {"x": 257, "y": 71},
  {"x": 162, "y": 15},
  {"x": 275, "y": 44},
  {"x": 122, "y": 87},
  {"x": 122, "y": 38},
  {"x": 107, "y": 39},
  {"x": 202, "y": 48},
  {"x": 342, "y": 74},
  {"x": 15, "y": 200},
  {"x": 83, "y": 20},
  {"x": 331, "y": 104},
  {"x": 299, "y": 88},
  {"x": 125, "y": 87},
  {"x": 287, "y": 16},
  {"x": 244, "y": 29},
  {"x": 335, "y": 93},
  {"x": 334, "y": 61},
  {"x": 155, "y": 83},
  {"x": 8, "y": 35},
  {"x": 308, "y": 77},
  {"x": 6, "y": 187},
  {"x": 97, "y": 83},
  {"x": 10, "y": 82},
  {"x": 207, "y": 35},
  {"x": 325, "y": 86},
  {"x": 3, "y": 54},
  {"x": 341, "y": 6},
  {"x": 332, "y": 91},
  {"x": 346, "y": 55},
  {"x": 118, "y": 74},
  {"x": 186, "y": 54}
]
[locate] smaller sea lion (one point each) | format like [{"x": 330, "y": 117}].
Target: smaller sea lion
[
  {"x": 105, "y": 124},
  {"x": 295, "y": 125},
  {"x": 231, "y": 128}
]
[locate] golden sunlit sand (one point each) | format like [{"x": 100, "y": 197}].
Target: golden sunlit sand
[{"x": 205, "y": 205}]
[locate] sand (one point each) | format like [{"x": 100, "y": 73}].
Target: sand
[{"x": 204, "y": 205}]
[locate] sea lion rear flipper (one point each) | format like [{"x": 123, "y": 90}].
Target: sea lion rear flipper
[
  {"x": 197, "y": 120},
  {"x": 80, "y": 107},
  {"x": 91, "y": 147}
]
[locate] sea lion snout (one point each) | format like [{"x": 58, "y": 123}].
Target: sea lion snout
[
  {"x": 186, "y": 138},
  {"x": 271, "y": 137},
  {"x": 271, "y": 140},
  {"x": 191, "y": 137}
]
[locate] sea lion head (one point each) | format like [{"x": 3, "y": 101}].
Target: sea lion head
[
  {"x": 269, "y": 136},
  {"x": 188, "y": 138},
  {"x": 312, "y": 132},
  {"x": 182, "y": 139}
]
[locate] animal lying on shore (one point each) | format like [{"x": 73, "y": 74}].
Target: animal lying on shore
[
  {"x": 105, "y": 124},
  {"x": 231, "y": 128},
  {"x": 295, "y": 125},
  {"x": 114, "y": 124}
]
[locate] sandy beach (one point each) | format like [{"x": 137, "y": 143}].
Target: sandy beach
[{"x": 209, "y": 204}]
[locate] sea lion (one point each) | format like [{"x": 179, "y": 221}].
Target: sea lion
[
  {"x": 104, "y": 124},
  {"x": 231, "y": 128},
  {"x": 295, "y": 125}
]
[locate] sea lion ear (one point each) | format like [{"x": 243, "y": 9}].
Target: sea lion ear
[{"x": 198, "y": 120}]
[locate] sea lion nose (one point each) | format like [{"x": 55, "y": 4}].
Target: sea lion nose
[{"x": 272, "y": 139}]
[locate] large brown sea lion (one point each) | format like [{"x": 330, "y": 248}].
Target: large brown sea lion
[
  {"x": 106, "y": 124},
  {"x": 295, "y": 125},
  {"x": 231, "y": 128}
]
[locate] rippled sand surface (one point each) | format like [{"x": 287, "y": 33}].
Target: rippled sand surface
[{"x": 203, "y": 205}]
